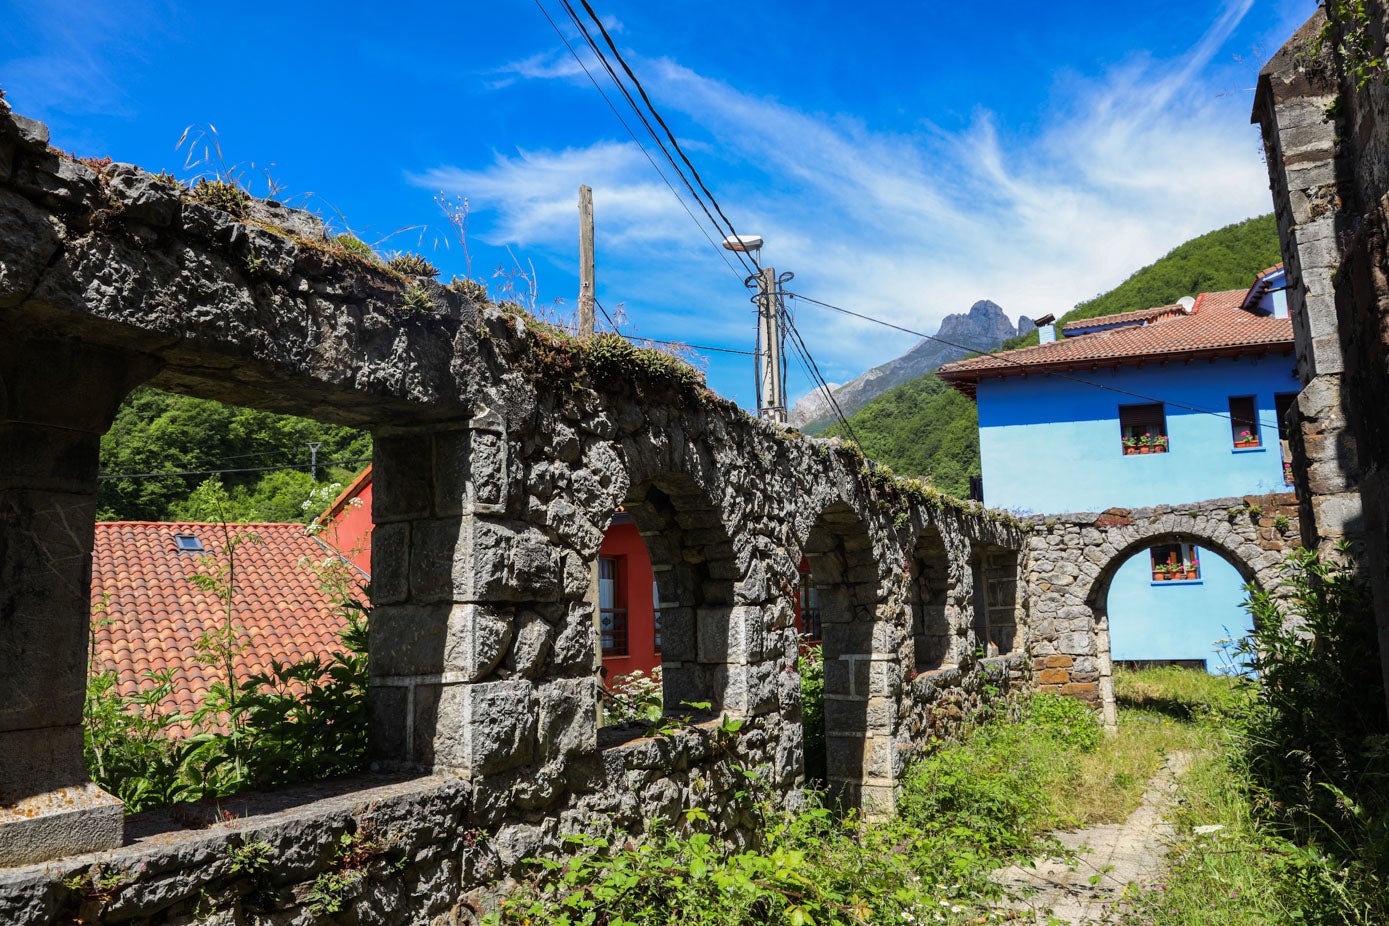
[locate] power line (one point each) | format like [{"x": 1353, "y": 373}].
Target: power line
[
  {"x": 654, "y": 112},
  {"x": 635, "y": 140},
  {"x": 1020, "y": 366},
  {"x": 219, "y": 472}
]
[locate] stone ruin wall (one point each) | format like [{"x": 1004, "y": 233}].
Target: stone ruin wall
[
  {"x": 501, "y": 456},
  {"x": 1072, "y": 558},
  {"x": 1326, "y": 135}
]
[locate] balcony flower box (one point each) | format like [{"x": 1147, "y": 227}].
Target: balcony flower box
[{"x": 1246, "y": 439}]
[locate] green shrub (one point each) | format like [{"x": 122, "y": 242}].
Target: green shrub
[
  {"x": 811, "y": 666},
  {"x": 1070, "y": 721},
  {"x": 221, "y": 194},
  {"x": 412, "y": 265}
]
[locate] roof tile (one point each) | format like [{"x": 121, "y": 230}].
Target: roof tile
[
  {"x": 148, "y": 614},
  {"x": 1215, "y": 327}
]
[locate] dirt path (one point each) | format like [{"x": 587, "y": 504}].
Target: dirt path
[{"x": 1115, "y": 855}]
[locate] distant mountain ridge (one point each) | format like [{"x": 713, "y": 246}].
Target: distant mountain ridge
[{"x": 983, "y": 328}]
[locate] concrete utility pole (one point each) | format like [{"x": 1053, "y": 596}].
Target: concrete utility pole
[
  {"x": 773, "y": 405},
  {"x": 313, "y": 459},
  {"x": 771, "y": 368},
  {"x": 586, "y": 282}
]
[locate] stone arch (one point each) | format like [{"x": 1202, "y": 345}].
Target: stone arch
[
  {"x": 935, "y": 617},
  {"x": 1072, "y": 566},
  {"x": 860, "y": 651},
  {"x": 695, "y": 571}
]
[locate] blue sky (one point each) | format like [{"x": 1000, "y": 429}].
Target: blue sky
[{"x": 903, "y": 159}]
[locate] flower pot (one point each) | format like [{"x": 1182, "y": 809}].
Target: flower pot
[
  {"x": 1145, "y": 449},
  {"x": 1246, "y": 443},
  {"x": 1159, "y": 576},
  {"x": 1160, "y": 448},
  {"x": 1130, "y": 451}
]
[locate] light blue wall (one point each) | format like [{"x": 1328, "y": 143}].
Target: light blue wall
[
  {"x": 1050, "y": 444},
  {"x": 1175, "y": 620}
]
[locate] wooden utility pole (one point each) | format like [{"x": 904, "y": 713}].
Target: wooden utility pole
[{"x": 586, "y": 283}]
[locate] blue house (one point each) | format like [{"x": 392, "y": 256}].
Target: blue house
[{"x": 1179, "y": 403}]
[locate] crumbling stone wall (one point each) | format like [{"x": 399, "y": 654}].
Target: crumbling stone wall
[
  {"x": 1296, "y": 107},
  {"x": 502, "y": 452},
  {"x": 1342, "y": 464},
  {"x": 1072, "y": 558}
]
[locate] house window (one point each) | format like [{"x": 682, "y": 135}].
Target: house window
[
  {"x": 612, "y": 616},
  {"x": 808, "y": 605},
  {"x": 1143, "y": 428},
  {"x": 1175, "y": 562},
  {"x": 1244, "y": 421},
  {"x": 656, "y": 612}
]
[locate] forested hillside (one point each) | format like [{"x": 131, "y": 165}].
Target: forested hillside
[
  {"x": 921, "y": 428},
  {"x": 1226, "y": 258},
  {"x": 159, "y": 432},
  {"x": 925, "y": 428}
]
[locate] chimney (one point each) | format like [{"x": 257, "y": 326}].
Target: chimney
[{"x": 1046, "y": 329}]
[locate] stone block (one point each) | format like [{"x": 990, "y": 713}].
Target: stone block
[
  {"x": 66, "y": 821},
  {"x": 482, "y": 728},
  {"x": 390, "y": 563},
  {"x": 402, "y": 482},
  {"x": 388, "y": 723},
  {"x": 1053, "y": 677},
  {"x": 750, "y": 689},
  {"x": 1076, "y": 644},
  {"x": 568, "y": 711}
]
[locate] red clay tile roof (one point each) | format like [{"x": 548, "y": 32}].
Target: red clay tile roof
[
  {"x": 1120, "y": 318},
  {"x": 1215, "y": 328},
  {"x": 148, "y": 615}
]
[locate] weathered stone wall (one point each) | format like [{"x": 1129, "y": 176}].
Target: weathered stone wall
[
  {"x": 1344, "y": 456},
  {"x": 1072, "y": 558},
  {"x": 1296, "y": 105},
  {"x": 502, "y": 452}
]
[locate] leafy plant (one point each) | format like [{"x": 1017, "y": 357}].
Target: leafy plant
[
  {"x": 221, "y": 194},
  {"x": 351, "y": 244},
  {"x": 412, "y": 265},
  {"x": 415, "y": 298}
]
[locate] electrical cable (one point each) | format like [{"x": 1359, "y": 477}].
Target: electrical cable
[
  {"x": 635, "y": 140},
  {"x": 1076, "y": 379},
  {"x": 669, "y": 134},
  {"x": 219, "y": 472}
]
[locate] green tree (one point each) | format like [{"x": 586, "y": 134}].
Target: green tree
[
  {"x": 156, "y": 432},
  {"x": 1227, "y": 258}
]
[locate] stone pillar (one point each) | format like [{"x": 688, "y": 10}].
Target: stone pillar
[
  {"x": 57, "y": 396},
  {"x": 1296, "y": 111},
  {"x": 864, "y": 685},
  {"x": 461, "y": 594}
]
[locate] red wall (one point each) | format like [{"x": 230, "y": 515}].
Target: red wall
[
  {"x": 634, "y": 576},
  {"x": 348, "y": 530}
]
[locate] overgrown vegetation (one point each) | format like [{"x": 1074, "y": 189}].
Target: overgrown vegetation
[
  {"x": 300, "y": 721},
  {"x": 160, "y": 432},
  {"x": 929, "y": 863},
  {"x": 1287, "y": 820}
]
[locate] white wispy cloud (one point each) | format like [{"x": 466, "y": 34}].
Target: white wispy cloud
[{"x": 908, "y": 227}]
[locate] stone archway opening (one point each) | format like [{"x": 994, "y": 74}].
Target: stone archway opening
[
  {"x": 935, "y": 631},
  {"x": 995, "y": 619},
  {"x": 688, "y": 602},
  {"x": 1170, "y": 598},
  {"x": 842, "y": 568}
]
